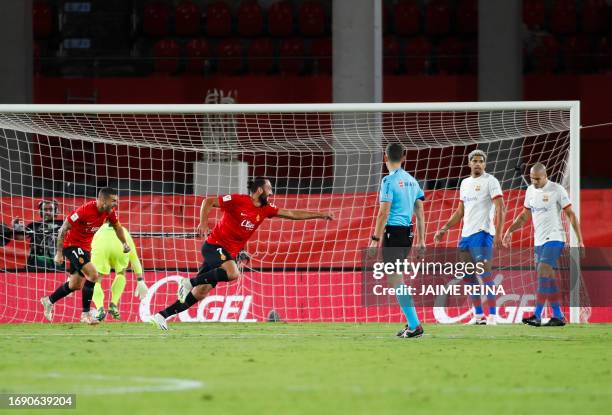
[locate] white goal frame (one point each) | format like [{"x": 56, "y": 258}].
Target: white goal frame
[{"x": 167, "y": 109}]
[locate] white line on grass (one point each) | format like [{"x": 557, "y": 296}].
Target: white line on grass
[{"x": 124, "y": 384}]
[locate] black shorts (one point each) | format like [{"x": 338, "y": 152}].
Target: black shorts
[
  {"x": 78, "y": 258},
  {"x": 397, "y": 241},
  {"x": 214, "y": 256}
]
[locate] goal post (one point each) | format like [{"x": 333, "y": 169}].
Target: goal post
[
  {"x": 165, "y": 158},
  {"x": 576, "y": 316}
]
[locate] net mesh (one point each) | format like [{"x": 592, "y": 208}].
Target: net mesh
[{"x": 164, "y": 164}]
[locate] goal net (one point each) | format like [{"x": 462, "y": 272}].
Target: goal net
[{"x": 165, "y": 159}]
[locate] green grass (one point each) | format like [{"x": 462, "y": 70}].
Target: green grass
[{"x": 312, "y": 368}]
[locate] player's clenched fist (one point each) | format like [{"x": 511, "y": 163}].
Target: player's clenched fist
[
  {"x": 329, "y": 216},
  {"x": 203, "y": 229}
]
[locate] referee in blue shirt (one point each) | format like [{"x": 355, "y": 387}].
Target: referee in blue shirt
[{"x": 400, "y": 197}]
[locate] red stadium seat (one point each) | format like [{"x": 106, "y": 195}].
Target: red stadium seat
[
  {"x": 604, "y": 55},
  {"x": 563, "y": 17},
  {"x": 198, "y": 54},
  {"x": 594, "y": 16},
  {"x": 166, "y": 53},
  {"x": 291, "y": 56},
  {"x": 156, "y": 19},
  {"x": 534, "y": 14},
  {"x": 42, "y": 19},
  {"x": 250, "y": 18},
  {"x": 437, "y": 17},
  {"x": 407, "y": 15},
  {"x": 229, "y": 52},
  {"x": 451, "y": 56},
  {"x": 391, "y": 55},
  {"x": 545, "y": 55},
  {"x": 311, "y": 18},
  {"x": 218, "y": 19},
  {"x": 321, "y": 51},
  {"x": 261, "y": 56},
  {"x": 280, "y": 19},
  {"x": 187, "y": 19},
  {"x": 418, "y": 52},
  {"x": 577, "y": 54},
  {"x": 467, "y": 17}
]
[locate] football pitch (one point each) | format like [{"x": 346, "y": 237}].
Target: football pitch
[{"x": 277, "y": 368}]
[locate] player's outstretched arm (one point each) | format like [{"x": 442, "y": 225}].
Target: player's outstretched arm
[
  {"x": 205, "y": 208},
  {"x": 455, "y": 219},
  {"x": 518, "y": 223},
  {"x": 304, "y": 214},
  {"x": 571, "y": 216},
  {"x": 61, "y": 234}
]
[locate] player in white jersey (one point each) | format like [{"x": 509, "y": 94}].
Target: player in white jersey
[
  {"x": 544, "y": 202},
  {"x": 482, "y": 210}
]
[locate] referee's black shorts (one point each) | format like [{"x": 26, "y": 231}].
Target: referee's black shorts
[{"x": 397, "y": 241}]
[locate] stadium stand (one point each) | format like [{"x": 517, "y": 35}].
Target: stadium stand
[{"x": 421, "y": 36}]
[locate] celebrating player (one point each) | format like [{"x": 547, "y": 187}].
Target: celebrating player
[
  {"x": 74, "y": 242},
  {"x": 544, "y": 201},
  {"x": 242, "y": 215},
  {"x": 481, "y": 200},
  {"x": 400, "y": 194},
  {"x": 106, "y": 253}
]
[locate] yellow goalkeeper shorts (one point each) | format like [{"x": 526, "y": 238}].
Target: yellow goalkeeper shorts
[{"x": 106, "y": 259}]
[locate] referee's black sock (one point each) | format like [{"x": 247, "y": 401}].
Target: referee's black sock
[
  {"x": 178, "y": 307},
  {"x": 87, "y": 294},
  {"x": 61, "y": 292},
  {"x": 211, "y": 277}
]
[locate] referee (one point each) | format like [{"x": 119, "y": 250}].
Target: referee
[{"x": 400, "y": 196}]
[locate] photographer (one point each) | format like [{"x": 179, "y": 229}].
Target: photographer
[{"x": 42, "y": 236}]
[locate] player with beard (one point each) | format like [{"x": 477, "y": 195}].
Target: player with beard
[
  {"x": 242, "y": 215},
  {"x": 74, "y": 243}
]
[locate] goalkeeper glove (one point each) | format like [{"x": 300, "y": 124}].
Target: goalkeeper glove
[{"x": 141, "y": 289}]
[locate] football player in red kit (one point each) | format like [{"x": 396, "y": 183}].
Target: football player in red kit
[
  {"x": 242, "y": 215},
  {"x": 74, "y": 243}
]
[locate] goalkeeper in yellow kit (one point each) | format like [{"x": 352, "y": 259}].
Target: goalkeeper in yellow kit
[{"x": 106, "y": 254}]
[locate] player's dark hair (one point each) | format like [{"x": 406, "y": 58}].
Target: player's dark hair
[
  {"x": 107, "y": 191},
  {"x": 256, "y": 183},
  {"x": 395, "y": 152}
]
